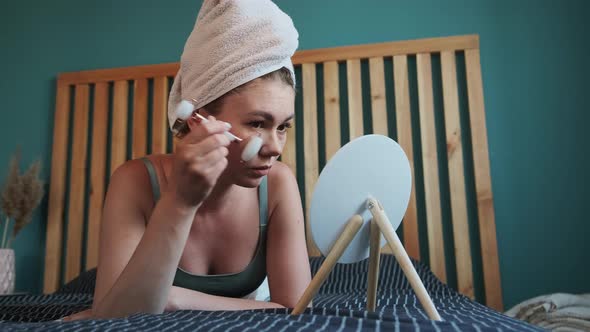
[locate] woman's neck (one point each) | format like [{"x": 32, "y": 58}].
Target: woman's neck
[{"x": 223, "y": 194}]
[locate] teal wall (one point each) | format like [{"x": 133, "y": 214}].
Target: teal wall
[{"x": 534, "y": 65}]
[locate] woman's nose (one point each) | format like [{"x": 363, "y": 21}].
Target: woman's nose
[{"x": 271, "y": 146}]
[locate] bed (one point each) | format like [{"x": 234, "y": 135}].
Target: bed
[{"x": 427, "y": 94}]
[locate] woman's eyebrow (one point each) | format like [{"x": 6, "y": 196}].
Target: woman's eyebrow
[{"x": 268, "y": 116}]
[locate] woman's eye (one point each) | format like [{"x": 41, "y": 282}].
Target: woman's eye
[
  {"x": 283, "y": 128},
  {"x": 256, "y": 124}
]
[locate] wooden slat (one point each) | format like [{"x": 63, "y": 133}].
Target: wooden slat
[
  {"x": 355, "y": 98},
  {"x": 119, "y": 125},
  {"x": 404, "y": 137},
  {"x": 140, "y": 119},
  {"x": 310, "y": 145},
  {"x": 331, "y": 108},
  {"x": 425, "y": 45},
  {"x": 430, "y": 161},
  {"x": 57, "y": 190},
  {"x": 456, "y": 175},
  {"x": 77, "y": 183},
  {"x": 483, "y": 185},
  {"x": 159, "y": 116},
  {"x": 119, "y": 74},
  {"x": 100, "y": 121},
  {"x": 289, "y": 154},
  {"x": 378, "y": 107}
]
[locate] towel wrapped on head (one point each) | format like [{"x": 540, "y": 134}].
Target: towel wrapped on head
[{"x": 233, "y": 42}]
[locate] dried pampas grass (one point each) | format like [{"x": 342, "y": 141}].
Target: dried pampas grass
[{"x": 21, "y": 194}]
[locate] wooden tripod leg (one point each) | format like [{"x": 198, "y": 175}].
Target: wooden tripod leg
[
  {"x": 375, "y": 252},
  {"x": 402, "y": 257},
  {"x": 352, "y": 227}
]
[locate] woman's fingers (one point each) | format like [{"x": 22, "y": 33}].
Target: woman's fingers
[
  {"x": 199, "y": 131},
  {"x": 200, "y": 159},
  {"x": 86, "y": 314},
  {"x": 213, "y": 142},
  {"x": 203, "y": 154},
  {"x": 216, "y": 169},
  {"x": 213, "y": 157}
]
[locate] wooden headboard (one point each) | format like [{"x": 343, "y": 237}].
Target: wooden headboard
[{"x": 426, "y": 94}]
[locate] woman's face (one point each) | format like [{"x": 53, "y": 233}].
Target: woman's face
[{"x": 265, "y": 108}]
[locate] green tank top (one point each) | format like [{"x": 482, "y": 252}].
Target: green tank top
[{"x": 232, "y": 284}]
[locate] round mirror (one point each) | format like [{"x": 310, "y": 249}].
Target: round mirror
[{"x": 370, "y": 165}]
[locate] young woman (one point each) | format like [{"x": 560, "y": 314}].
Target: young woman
[{"x": 200, "y": 228}]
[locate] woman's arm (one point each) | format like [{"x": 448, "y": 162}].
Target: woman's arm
[
  {"x": 287, "y": 258},
  {"x": 188, "y": 299},
  {"x": 137, "y": 263}
]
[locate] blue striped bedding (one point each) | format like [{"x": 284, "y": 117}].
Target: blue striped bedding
[{"x": 339, "y": 306}]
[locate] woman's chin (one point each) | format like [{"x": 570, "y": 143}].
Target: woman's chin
[
  {"x": 248, "y": 181},
  {"x": 244, "y": 176}
]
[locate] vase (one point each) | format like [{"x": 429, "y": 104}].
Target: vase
[{"x": 6, "y": 271}]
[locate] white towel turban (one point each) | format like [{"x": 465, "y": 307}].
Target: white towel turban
[{"x": 233, "y": 42}]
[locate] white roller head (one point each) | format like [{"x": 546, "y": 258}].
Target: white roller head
[
  {"x": 184, "y": 109},
  {"x": 252, "y": 148}
]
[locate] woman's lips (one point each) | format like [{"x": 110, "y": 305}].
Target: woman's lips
[{"x": 260, "y": 170}]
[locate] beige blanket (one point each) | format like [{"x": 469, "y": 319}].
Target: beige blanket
[{"x": 556, "y": 312}]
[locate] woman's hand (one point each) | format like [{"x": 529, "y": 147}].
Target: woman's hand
[
  {"x": 199, "y": 159},
  {"x": 88, "y": 314}
]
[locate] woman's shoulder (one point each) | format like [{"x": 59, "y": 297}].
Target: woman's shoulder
[
  {"x": 135, "y": 169},
  {"x": 280, "y": 175},
  {"x": 282, "y": 185},
  {"x": 133, "y": 178}
]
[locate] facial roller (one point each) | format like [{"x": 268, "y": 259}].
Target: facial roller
[{"x": 252, "y": 148}]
